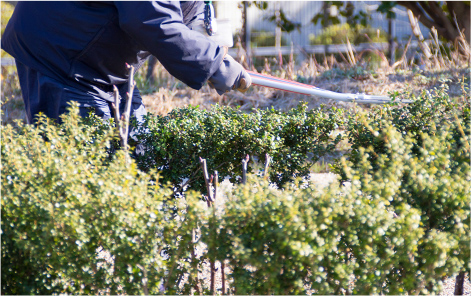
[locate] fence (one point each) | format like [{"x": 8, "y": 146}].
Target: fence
[
  {"x": 315, "y": 49},
  {"x": 302, "y": 12}
]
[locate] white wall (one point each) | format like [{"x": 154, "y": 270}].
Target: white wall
[{"x": 229, "y": 10}]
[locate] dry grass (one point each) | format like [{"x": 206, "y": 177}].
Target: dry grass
[
  {"x": 12, "y": 105},
  {"x": 381, "y": 83},
  {"x": 352, "y": 76}
]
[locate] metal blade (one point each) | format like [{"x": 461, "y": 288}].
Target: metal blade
[{"x": 305, "y": 89}]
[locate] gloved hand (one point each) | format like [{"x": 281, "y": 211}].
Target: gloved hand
[{"x": 230, "y": 75}]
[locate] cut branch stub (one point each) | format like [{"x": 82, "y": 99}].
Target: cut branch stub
[
  {"x": 244, "y": 169},
  {"x": 116, "y": 104},
  {"x": 206, "y": 180},
  {"x": 122, "y": 120}
]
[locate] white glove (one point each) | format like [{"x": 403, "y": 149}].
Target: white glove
[{"x": 230, "y": 75}]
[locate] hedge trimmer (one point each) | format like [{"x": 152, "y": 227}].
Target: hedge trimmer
[{"x": 305, "y": 89}]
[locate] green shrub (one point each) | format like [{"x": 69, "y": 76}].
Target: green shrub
[
  {"x": 429, "y": 181},
  {"x": 224, "y": 136},
  {"x": 292, "y": 241},
  {"x": 75, "y": 219},
  {"x": 431, "y": 173},
  {"x": 338, "y": 34},
  {"x": 368, "y": 238},
  {"x": 264, "y": 38},
  {"x": 427, "y": 113}
]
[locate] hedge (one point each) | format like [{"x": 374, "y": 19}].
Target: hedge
[
  {"x": 80, "y": 217},
  {"x": 223, "y": 136}
]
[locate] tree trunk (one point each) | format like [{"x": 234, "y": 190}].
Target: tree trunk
[
  {"x": 391, "y": 46},
  {"x": 462, "y": 12},
  {"x": 325, "y": 10},
  {"x": 431, "y": 14}
]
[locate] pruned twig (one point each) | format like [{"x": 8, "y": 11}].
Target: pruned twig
[
  {"x": 127, "y": 110},
  {"x": 215, "y": 184},
  {"x": 193, "y": 259},
  {"x": 244, "y": 169},
  {"x": 267, "y": 164},
  {"x": 116, "y": 106},
  {"x": 212, "y": 277},
  {"x": 191, "y": 178}
]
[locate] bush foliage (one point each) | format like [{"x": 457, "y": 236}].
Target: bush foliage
[
  {"x": 378, "y": 235},
  {"x": 224, "y": 136},
  {"x": 428, "y": 113},
  {"x": 75, "y": 220},
  {"x": 79, "y": 216},
  {"x": 355, "y": 33}
]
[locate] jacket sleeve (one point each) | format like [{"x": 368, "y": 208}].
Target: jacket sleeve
[{"x": 158, "y": 27}]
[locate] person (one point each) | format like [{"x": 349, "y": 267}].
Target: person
[{"x": 77, "y": 51}]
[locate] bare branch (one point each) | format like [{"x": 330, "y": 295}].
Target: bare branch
[
  {"x": 416, "y": 30},
  {"x": 212, "y": 277},
  {"x": 223, "y": 276},
  {"x": 215, "y": 184},
  {"x": 439, "y": 16},
  {"x": 116, "y": 105},
  {"x": 144, "y": 279},
  {"x": 430, "y": 14},
  {"x": 122, "y": 120},
  {"x": 127, "y": 110}
]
